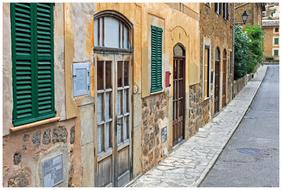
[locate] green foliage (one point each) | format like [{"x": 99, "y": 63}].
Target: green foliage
[{"x": 248, "y": 46}]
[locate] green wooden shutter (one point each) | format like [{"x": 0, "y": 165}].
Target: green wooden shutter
[
  {"x": 32, "y": 57},
  {"x": 45, "y": 60},
  {"x": 156, "y": 59}
]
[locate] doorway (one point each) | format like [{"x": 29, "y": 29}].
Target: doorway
[
  {"x": 217, "y": 81},
  {"x": 224, "y": 60},
  {"x": 113, "y": 116},
  {"x": 178, "y": 93}
]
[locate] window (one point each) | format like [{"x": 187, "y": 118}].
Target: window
[
  {"x": 206, "y": 71},
  {"x": 276, "y": 41},
  {"x": 225, "y": 11},
  {"x": 33, "y": 62},
  {"x": 217, "y": 8},
  {"x": 111, "y": 32},
  {"x": 275, "y": 52},
  {"x": 208, "y": 4},
  {"x": 156, "y": 59},
  {"x": 276, "y": 30}
]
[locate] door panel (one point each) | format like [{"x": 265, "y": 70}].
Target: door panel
[
  {"x": 178, "y": 99},
  {"x": 217, "y": 83},
  {"x": 224, "y": 80},
  {"x": 113, "y": 118}
]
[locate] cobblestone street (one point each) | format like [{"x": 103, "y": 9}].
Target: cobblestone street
[{"x": 189, "y": 163}]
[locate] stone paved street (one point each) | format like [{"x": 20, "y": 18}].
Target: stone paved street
[
  {"x": 251, "y": 157},
  {"x": 189, "y": 163}
]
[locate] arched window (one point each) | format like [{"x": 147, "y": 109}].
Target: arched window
[
  {"x": 112, "y": 31},
  {"x": 217, "y": 54},
  {"x": 178, "y": 51}
]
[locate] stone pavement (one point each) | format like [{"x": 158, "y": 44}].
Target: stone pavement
[{"x": 190, "y": 162}]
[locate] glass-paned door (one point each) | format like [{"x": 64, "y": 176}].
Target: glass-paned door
[{"x": 113, "y": 118}]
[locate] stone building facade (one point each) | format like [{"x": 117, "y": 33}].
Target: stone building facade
[
  {"x": 216, "y": 42},
  {"x": 69, "y": 145},
  {"x": 254, "y": 10},
  {"x": 271, "y": 40},
  {"x": 128, "y": 86}
]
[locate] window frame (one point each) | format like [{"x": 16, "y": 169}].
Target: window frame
[
  {"x": 217, "y": 7},
  {"x": 274, "y": 30},
  {"x": 123, "y": 22},
  {"x": 274, "y": 40},
  {"x": 155, "y": 91},
  {"x": 207, "y": 96},
  {"x": 273, "y": 50},
  {"x": 35, "y": 116}
]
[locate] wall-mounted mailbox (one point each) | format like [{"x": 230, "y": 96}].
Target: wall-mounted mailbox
[
  {"x": 81, "y": 82},
  {"x": 167, "y": 79},
  {"x": 53, "y": 172}
]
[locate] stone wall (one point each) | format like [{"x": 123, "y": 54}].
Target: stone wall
[
  {"x": 195, "y": 110},
  {"x": 215, "y": 32},
  {"x": 24, "y": 152},
  {"x": 155, "y": 119}
]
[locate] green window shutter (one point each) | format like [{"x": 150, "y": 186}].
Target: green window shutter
[
  {"x": 276, "y": 41},
  {"x": 156, "y": 59},
  {"x": 32, "y": 57}
]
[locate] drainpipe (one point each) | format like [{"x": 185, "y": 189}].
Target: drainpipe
[{"x": 233, "y": 49}]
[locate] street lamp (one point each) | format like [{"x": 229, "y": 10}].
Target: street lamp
[{"x": 245, "y": 17}]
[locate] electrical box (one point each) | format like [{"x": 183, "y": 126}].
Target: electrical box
[
  {"x": 53, "y": 172},
  {"x": 81, "y": 81},
  {"x": 167, "y": 79}
]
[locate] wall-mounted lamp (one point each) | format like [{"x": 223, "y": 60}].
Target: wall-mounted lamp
[{"x": 245, "y": 17}]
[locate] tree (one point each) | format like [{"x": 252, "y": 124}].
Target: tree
[{"x": 241, "y": 47}]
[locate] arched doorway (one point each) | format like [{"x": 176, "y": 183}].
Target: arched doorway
[
  {"x": 178, "y": 93},
  {"x": 224, "y": 60},
  {"x": 113, "y": 56},
  {"x": 217, "y": 80}
]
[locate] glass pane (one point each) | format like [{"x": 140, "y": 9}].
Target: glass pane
[
  {"x": 181, "y": 68},
  {"x": 178, "y": 51},
  {"x": 125, "y": 41},
  {"x": 108, "y": 74},
  {"x": 119, "y": 78},
  {"x": 180, "y": 107},
  {"x": 108, "y": 136},
  {"x": 101, "y": 31},
  {"x": 125, "y": 129},
  {"x": 111, "y": 32},
  {"x": 181, "y": 88},
  {"x": 100, "y": 75},
  {"x": 107, "y": 106},
  {"x": 119, "y": 131},
  {"x": 174, "y": 110},
  {"x": 100, "y": 139},
  {"x": 125, "y": 101},
  {"x": 119, "y": 96},
  {"x": 100, "y": 108},
  {"x": 126, "y": 73},
  {"x": 95, "y": 32}
]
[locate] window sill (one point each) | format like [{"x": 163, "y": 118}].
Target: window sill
[
  {"x": 34, "y": 124},
  {"x": 155, "y": 93}
]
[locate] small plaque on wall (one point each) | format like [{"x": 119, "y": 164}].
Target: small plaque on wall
[
  {"x": 52, "y": 170},
  {"x": 81, "y": 82},
  {"x": 164, "y": 134}
]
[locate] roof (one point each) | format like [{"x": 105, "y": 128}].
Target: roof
[{"x": 270, "y": 22}]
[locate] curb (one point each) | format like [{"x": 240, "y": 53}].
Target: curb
[{"x": 214, "y": 159}]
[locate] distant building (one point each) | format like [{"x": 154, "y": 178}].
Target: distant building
[{"x": 271, "y": 39}]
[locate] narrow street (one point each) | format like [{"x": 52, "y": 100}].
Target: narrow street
[{"x": 251, "y": 158}]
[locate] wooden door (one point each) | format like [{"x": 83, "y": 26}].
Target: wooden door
[
  {"x": 224, "y": 79},
  {"x": 113, "y": 118},
  {"x": 217, "y": 85},
  {"x": 178, "y": 99}
]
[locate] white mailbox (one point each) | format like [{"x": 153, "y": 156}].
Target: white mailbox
[{"x": 81, "y": 82}]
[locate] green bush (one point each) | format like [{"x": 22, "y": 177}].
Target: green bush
[
  {"x": 248, "y": 46},
  {"x": 241, "y": 55}
]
